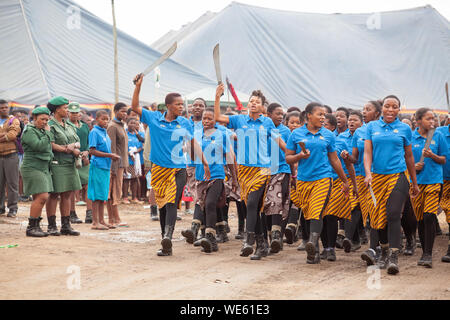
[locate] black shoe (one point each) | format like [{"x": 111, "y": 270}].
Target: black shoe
[
  {"x": 347, "y": 245},
  {"x": 369, "y": 257},
  {"x": 446, "y": 258},
  {"x": 66, "y": 229},
  {"x": 392, "y": 265},
  {"x": 12, "y": 214},
  {"x": 166, "y": 242},
  {"x": 34, "y": 230},
  {"x": 363, "y": 237},
  {"x": 52, "y": 229},
  {"x": 384, "y": 258},
  {"x": 247, "y": 248},
  {"x": 312, "y": 249},
  {"x": 339, "y": 241},
  {"x": 276, "y": 243},
  {"x": 427, "y": 261},
  {"x": 355, "y": 246},
  {"x": 410, "y": 247},
  {"x": 323, "y": 254},
  {"x": 289, "y": 233},
  {"x": 209, "y": 243},
  {"x": 88, "y": 218},
  {"x": 74, "y": 218},
  {"x": 240, "y": 235},
  {"x": 302, "y": 246},
  {"x": 154, "y": 213},
  {"x": 222, "y": 235},
  {"x": 227, "y": 228},
  {"x": 331, "y": 255},
  {"x": 191, "y": 234},
  {"x": 260, "y": 246},
  {"x": 420, "y": 262},
  {"x": 198, "y": 242}
]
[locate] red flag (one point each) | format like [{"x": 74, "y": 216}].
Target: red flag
[{"x": 235, "y": 97}]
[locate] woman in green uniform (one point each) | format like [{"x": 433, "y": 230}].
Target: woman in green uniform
[
  {"x": 35, "y": 169},
  {"x": 66, "y": 147},
  {"x": 82, "y": 130}
]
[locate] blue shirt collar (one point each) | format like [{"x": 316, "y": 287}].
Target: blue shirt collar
[
  {"x": 384, "y": 124},
  {"x": 99, "y": 128},
  {"x": 260, "y": 118},
  {"x": 163, "y": 118},
  {"x": 306, "y": 130}
]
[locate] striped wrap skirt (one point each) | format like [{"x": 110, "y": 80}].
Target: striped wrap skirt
[
  {"x": 427, "y": 200},
  {"x": 339, "y": 205},
  {"x": 251, "y": 179},
  {"x": 164, "y": 184},
  {"x": 313, "y": 197},
  {"x": 445, "y": 199}
]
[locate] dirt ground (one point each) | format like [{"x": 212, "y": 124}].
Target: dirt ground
[{"x": 122, "y": 264}]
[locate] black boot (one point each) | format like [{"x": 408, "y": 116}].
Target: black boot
[
  {"x": 289, "y": 233},
  {"x": 410, "y": 245},
  {"x": 331, "y": 255},
  {"x": 260, "y": 246},
  {"x": 209, "y": 243},
  {"x": 154, "y": 213},
  {"x": 222, "y": 236},
  {"x": 363, "y": 236},
  {"x": 191, "y": 234},
  {"x": 33, "y": 229},
  {"x": 347, "y": 245},
  {"x": 302, "y": 245},
  {"x": 312, "y": 248},
  {"x": 392, "y": 267},
  {"x": 74, "y": 218},
  {"x": 247, "y": 248},
  {"x": 66, "y": 229},
  {"x": 369, "y": 257},
  {"x": 52, "y": 229},
  {"x": 340, "y": 241},
  {"x": 166, "y": 242},
  {"x": 276, "y": 243},
  {"x": 240, "y": 235},
  {"x": 198, "y": 242},
  {"x": 446, "y": 258},
  {"x": 384, "y": 258},
  {"x": 88, "y": 218}
]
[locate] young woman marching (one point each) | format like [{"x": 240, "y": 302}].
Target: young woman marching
[
  {"x": 217, "y": 149},
  {"x": 65, "y": 145},
  {"x": 342, "y": 115},
  {"x": 276, "y": 202},
  {"x": 429, "y": 178},
  {"x": 37, "y": 179},
  {"x": 314, "y": 178},
  {"x": 445, "y": 199},
  {"x": 168, "y": 163},
  {"x": 254, "y": 136},
  {"x": 387, "y": 154},
  {"x": 293, "y": 121}
]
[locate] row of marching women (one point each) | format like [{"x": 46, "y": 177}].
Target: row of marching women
[{"x": 309, "y": 174}]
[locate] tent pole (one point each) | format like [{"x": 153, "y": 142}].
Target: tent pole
[{"x": 116, "y": 62}]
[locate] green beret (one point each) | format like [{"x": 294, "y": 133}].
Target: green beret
[
  {"x": 41, "y": 110},
  {"x": 161, "y": 107},
  {"x": 58, "y": 101},
  {"x": 74, "y": 107}
]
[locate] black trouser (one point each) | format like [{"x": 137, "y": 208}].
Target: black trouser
[
  {"x": 254, "y": 204},
  {"x": 212, "y": 198},
  {"x": 199, "y": 215},
  {"x": 304, "y": 226},
  {"x": 242, "y": 214},
  {"x": 427, "y": 232},
  {"x": 168, "y": 213},
  {"x": 394, "y": 208},
  {"x": 329, "y": 231},
  {"x": 352, "y": 226},
  {"x": 409, "y": 221}
]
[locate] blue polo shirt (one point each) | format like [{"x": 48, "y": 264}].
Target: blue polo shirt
[
  {"x": 336, "y": 133},
  {"x": 317, "y": 166},
  {"x": 214, "y": 148},
  {"x": 197, "y": 128},
  {"x": 348, "y": 137},
  {"x": 279, "y": 164},
  {"x": 445, "y": 131},
  {"x": 358, "y": 142},
  {"x": 167, "y": 138},
  {"x": 341, "y": 145},
  {"x": 133, "y": 141},
  {"x": 254, "y": 138},
  {"x": 389, "y": 142},
  {"x": 432, "y": 171},
  {"x": 99, "y": 139}
]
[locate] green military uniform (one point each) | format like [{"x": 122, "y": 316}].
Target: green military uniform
[
  {"x": 64, "y": 173},
  {"x": 35, "y": 169},
  {"x": 83, "y": 134}
]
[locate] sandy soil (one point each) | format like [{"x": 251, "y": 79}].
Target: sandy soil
[{"x": 122, "y": 264}]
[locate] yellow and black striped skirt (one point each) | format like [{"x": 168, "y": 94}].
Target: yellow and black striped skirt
[
  {"x": 339, "y": 205},
  {"x": 294, "y": 197},
  {"x": 382, "y": 185},
  {"x": 445, "y": 199},
  {"x": 252, "y": 179},
  {"x": 313, "y": 197},
  {"x": 364, "y": 198},
  {"x": 164, "y": 184},
  {"x": 427, "y": 200}
]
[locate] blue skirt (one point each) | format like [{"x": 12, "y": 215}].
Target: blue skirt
[{"x": 98, "y": 185}]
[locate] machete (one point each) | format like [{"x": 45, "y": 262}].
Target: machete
[
  {"x": 161, "y": 59},
  {"x": 216, "y": 58},
  {"x": 446, "y": 93},
  {"x": 373, "y": 196}
]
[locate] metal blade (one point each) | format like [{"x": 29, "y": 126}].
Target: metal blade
[
  {"x": 428, "y": 142},
  {"x": 446, "y": 93},
  {"x": 216, "y": 57},
  {"x": 373, "y": 196},
  {"x": 161, "y": 59}
]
